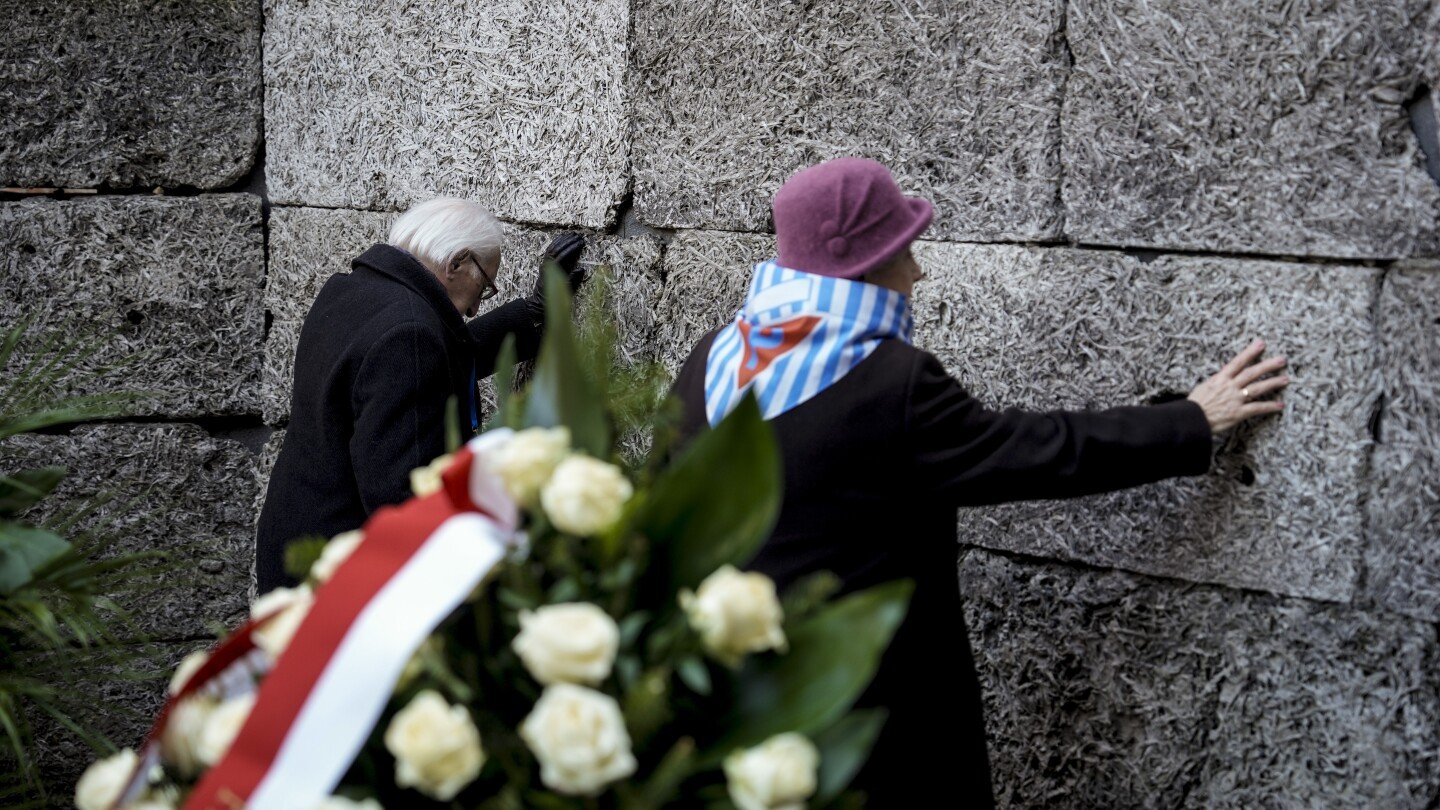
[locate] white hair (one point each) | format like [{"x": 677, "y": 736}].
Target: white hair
[{"x": 436, "y": 231}]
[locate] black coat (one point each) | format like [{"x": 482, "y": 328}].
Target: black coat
[
  {"x": 381, "y": 352},
  {"x": 875, "y": 467}
]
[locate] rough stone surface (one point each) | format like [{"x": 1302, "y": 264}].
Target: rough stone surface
[
  {"x": 264, "y": 466},
  {"x": 1403, "y": 510},
  {"x": 174, "y": 488},
  {"x": 121, "y": 708},
  {"x": 308, "y": 245},
  {"x": 124, "y": 93},
  {"x": 1058, "y": 328},
  {"x": 1235, "y": 126},
  {"x": 961, "y": 100},
  {"x": 1104, "y": 689},
  {"x": 173, "y": 283},
  {"x": 521, "y": 105},
  {"x": 706, "y": 276}
]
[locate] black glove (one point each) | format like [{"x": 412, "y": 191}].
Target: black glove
[{"x": 564, "y": 250}]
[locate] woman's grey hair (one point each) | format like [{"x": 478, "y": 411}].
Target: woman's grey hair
[{"x": 436, "y": 231}]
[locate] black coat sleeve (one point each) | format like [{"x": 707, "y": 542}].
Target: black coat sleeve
[
  {"x": 521, "y": 318},
  {"x": 399, "y": 401},
  {"x": 962, "y": 451}
]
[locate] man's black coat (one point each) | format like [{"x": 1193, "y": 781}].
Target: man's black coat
[
  {"x": 381, "y": 353},
  {"x": 875, "y": 467}
]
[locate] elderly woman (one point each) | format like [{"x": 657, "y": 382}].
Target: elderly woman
[
  {"x": 880, "y": 445},
  {"x": 383, "y": 350}
]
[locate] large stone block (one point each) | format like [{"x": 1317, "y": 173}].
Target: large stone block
[
  {"x": 125, "y": 93},
  {"x": 173, "y": 283},
  {"x": 1104, "y": 689},
  {"x": 961, "y": 100},
  {"x": 707, "y": 274},
  {"x": 1403, "y": 508},
  {"x": 1042, "y": 328},
  {"x": 1236, "y": 126},
  {"x": 519, "y": 104},
  {"x": 308, "y": 245},
  {"x": 171, "y": 488}
]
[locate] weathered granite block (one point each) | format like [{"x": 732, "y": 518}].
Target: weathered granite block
[
  {"x": 171, "y": 487},
  {"x": 1057, "y": 328},
  {"x": 1104, "y": 689},
  {"x": 174, "y": 283},
  {"x": 1324, "y": 707},
  {"x": 1236, "y": 126},
  {"x": 1403, "y": 509},
  {"x": 1099, "y": 689},
  {"x": 126, "y": 93},
  {"x": 308, "y": 245},
  {"x": 961, "y": 100},
  {"x": 519, "y": 104},
  {"x": 706, "y": 276}
]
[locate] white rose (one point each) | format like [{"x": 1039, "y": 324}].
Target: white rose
[
  {"x": 584, "y": 495},
  {"x": 337, "y": 551},
  {"x": 436, "y": 747},
  {"x": 180, "y": 741},
  {"x": 104, "y": 780},
  {"x": 426, "y": 480},
  {"x": 779, "y": 774},
  {"x": 570, "y": 643},
  {"x": 735, "y": 614},
  {"x": 189, "y": 665},
  {"x": 293, "y": 604},
  {"x": 526, "y": 462},
  {"x": 222, "y": 727},
  {"x": 342, "y": 803},
  {"x": 579, "y": 737}
]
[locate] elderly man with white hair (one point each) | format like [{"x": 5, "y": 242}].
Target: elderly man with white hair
[{"x": 383, "y": 350}]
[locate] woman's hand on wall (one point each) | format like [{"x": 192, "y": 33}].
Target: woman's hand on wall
[{"x": 1230, "y": 397}]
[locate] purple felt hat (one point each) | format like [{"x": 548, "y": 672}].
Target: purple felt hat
[{"x": 845, "y": 217}]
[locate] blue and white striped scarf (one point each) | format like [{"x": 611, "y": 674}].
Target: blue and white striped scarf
[{"x": 797, "y": 335}]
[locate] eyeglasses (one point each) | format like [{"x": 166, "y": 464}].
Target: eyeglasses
[{"x": 491, "y": 288}]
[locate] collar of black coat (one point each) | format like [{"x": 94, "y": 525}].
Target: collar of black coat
[{"x": 400, "y": 266}]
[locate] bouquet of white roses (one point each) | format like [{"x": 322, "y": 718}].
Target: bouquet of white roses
[{"x": 602, "y": 647}]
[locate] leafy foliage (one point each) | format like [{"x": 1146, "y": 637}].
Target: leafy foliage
[{"x": 59, "y": 621}]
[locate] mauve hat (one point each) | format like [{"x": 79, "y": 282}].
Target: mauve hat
[{"x": 845, "y": 217}]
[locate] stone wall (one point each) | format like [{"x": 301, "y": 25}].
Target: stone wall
[{"x": 1126, "y": 191}]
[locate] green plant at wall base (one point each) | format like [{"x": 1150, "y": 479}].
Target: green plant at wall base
[{"x": 59, "y": 622}]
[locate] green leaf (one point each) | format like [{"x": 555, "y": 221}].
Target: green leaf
[
  {"x": 24, "y": 550},
  {"x": 646, "y": 704},
  {"x": 832, "y": 658},
  {"x": 505, "y": 384},
  {"x": 663, "y": 786},
  {"x": 301, "y": 554},
  {"x": 844, "y": 747},
  {"x": 631, "y": 626},
  {"x": 561, "y": 393},
  {"x": 25, "y": 488},
  {"x": 695, "y": 674},
  {"x": 718, "y": 502},
  {"x": 452, "y": 424}
]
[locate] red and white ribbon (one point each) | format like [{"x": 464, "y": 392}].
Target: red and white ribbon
[{"x": 317, "y": 706}]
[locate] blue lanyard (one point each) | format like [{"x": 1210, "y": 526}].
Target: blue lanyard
[{"x": 474, "y": 405}]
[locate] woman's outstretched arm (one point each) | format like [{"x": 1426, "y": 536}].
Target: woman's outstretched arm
[{"x": 970, "y": 454}]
